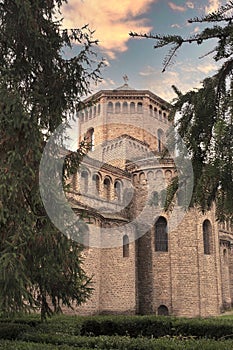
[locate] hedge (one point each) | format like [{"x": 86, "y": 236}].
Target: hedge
[
  {"x": 116, "y": 342},
  {"x": 156, "y": 327}
]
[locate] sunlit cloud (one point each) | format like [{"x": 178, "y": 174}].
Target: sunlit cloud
[
  {"x": 190, "y": 4},
  {"x": 111, "y": 20},
  {"x": 175, "y": 25},
  {"x": 196, "y": 30},
  {"x": 206, "y": 68},
  {"x": 147, "y": 71},
  {"x": 212, "y": 6},
  {"x": 175, "y": 7},
  {"x": 187, "y": 76}
]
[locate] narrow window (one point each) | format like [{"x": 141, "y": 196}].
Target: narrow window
[
  {"x": 139, "y": 107},
  {"x": 160, "y": 140},
  {"x": 125, "y": 107},
  {"x": 110, "y": 107},
  {"x": 96, "y": 184},
  {"x": 225, "y": 256},
  {"x": 117, "y": 189},
  {"x": 151, "y": 109},
  {"x": 161, "y": 235},
  {"x": 125, "y": 246},
  {"x": 90, "y": 138},
  {"x": 155, "y": 199},
  {"x": 132, "y": 107},
  {"x": 84, "y": 182},
  {"x": 107, "y": 189},
  {"x": 117, "y": 107},
  {"x": 207, "y": 236}
]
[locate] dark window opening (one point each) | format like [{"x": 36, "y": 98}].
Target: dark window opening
[{"x": 161, "y": 235}]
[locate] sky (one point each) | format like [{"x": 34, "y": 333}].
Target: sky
[{"x": 113, "y": 20}]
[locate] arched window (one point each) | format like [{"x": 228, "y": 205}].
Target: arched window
[
  {"x": 155, "y": 112},
  {"x": 132, "y": 107},
  {"x": 84, "y": 181},
  {"x": 151, "y": 109},
  {"x": 139, "y": 107},
  {"x": 94, "y": 111},
  {"x": 160, "y": 140},
  {"x": 225, "y": 256},
  {"x": 161, "y": 235},
  {"x": 96, "y": 183},
  {"x": 155, "y": 198},
  {"x": 117, "y": 189},
  {"x": 207, "y": 236},
  {"x": 90, "y": 113},
  {"x": 142, "y": 178},
  {"x": 110, "y": 107},
  {"x": 90, "y": 138},
  {"x": 125, "y": 107},
  {"x": 107, "y": 188},
  {"x": 98, "y": 109},
  {"x": 160, "y": 115},
  {"x": 86, "y": 115},
  {"x": 163, "y": 310},
  {"x": 117, "y": 107},
  {"x": 125, "y": 246}
]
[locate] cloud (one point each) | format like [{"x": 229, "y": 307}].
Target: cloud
[
  {"x": 205, "y": 67},
  {"x": 212, "y": 6},
  {"x": 190, "y": 5},
  {"x": 147, "y": 71},
  {"x": 111, "y": 20},
  {"x": 187, "y": 76},
  {"x": 175, "y": 7},
  {"x": 196, "y": 30},
  {"x": 175, "y": 25}
]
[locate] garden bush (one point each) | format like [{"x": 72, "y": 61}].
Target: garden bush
[
  {"x": 124, "y": 342},
  {"x": 13, "y": 330},
  {"x": 154, "y": 326}
]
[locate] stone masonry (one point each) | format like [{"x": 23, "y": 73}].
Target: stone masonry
[{"x": 144, "y": 260}]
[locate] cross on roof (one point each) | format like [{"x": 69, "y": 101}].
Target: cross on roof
[{"x": 126, "y": 79}]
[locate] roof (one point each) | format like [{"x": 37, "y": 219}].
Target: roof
[{"x": 124, "y": 87}]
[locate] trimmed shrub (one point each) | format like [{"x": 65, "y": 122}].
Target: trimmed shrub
[
  {"x": 132, "y": 326},
  {"x": 123, "y": 343},
  {"x": 156, "y": 327},
  {"x": 13, "y": 330}
]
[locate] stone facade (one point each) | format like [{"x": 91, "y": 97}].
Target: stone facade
[{"x": 143, "y": 260}]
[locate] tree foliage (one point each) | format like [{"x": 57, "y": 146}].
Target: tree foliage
[
  {"x": 206, "y": 114},
  {"x": 39, "y": 88}
]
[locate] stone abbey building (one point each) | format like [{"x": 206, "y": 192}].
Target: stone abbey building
[{"x": 143, "y": 260}]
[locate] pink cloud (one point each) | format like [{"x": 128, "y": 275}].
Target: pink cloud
[
  {"x": 212, "y": 6},
  {"x": 112, "y": 20},
  {"x": 175, "y": 7}
]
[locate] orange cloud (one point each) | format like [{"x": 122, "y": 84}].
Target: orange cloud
[
  {"x": 175, "y": 7},
  {"x": 112, "y": 20}
]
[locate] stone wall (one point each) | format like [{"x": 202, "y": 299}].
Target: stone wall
[{"x": 193, "y": 276}]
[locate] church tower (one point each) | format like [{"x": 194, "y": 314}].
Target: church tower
[{"x": 144, "y": 260}]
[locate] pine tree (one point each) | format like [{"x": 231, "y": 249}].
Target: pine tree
[
  {"x": 206, "y": 122},
  {"x": 39, "y": 88}
]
